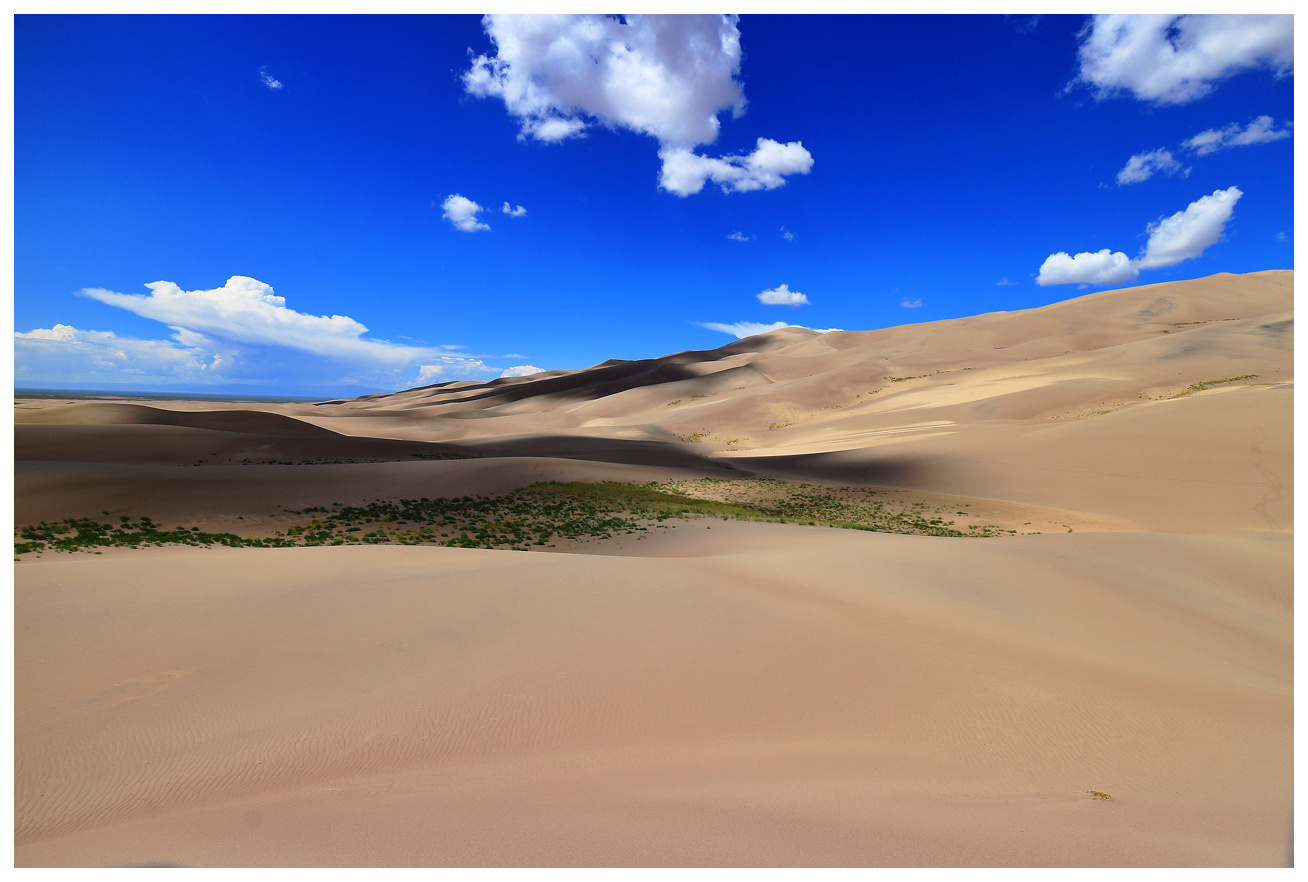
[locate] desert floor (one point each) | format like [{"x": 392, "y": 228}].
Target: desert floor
[{"x": 1111, "y": 684}]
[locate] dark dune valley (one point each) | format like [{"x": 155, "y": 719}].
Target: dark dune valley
[{"x": 1012, "y": 589}]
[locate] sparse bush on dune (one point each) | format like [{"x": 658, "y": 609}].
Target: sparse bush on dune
[{"x": 532, "y": 517}]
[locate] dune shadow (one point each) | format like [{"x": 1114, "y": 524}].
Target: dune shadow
[
  {"x": 615, "y": 450},
  {"x": 848, "y": 467}
]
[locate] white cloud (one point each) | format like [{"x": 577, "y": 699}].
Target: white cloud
[
  {"x": 739, "y": 237},
  {"x": 1086, "y": 268},
  {"x": 64, "y": 354},
  {"x": 511, "y": 211},
  {"x": 522, "y": 370},
  {"x": 1186, "y": 234},
  {"x": 1143, "y": 166},
  {"x": 782, "y": 296},
  {"x": 462, "y": 212},
  {"x": 1281, "y": 237},
  {"x": 452, "y": 367},
  {"x": 1259, "y": 131},
  {"x": 749, "y": 329},
  {"x": 268, "y": 80},
  {"x": 240, "y": 333},
  {"x": 685, "y": 172},
  {"x": 787, "y": 235},
  {"x": 245, "y": 311},
  {"x": 666, "y": 76},
  {"x": 911, "y": 302},
  {"x": 1182, "y": 236},
  {"x": 1174, "y": 59},
  {"x": 1004, "y": 282},
  {"x": 745, "y": 329}
]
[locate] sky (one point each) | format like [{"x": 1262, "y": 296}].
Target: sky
[{"x": 337, "y": 205}]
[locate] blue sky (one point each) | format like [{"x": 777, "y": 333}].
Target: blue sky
[{"x": 285, "y": 184}]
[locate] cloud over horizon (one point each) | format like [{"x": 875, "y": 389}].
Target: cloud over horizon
[
  {"x": 741, "y": 330},
  {"x": 1175, "y": 59},
  {"x": 522, "y": 370},
  {"x": 104, "y": 357},
  {"x": 666, "y": 76},
  {"x": 1179, "y": 237},
  {"x": 232, "y": 334}
]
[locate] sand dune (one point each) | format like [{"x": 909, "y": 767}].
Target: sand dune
[{"x": 1114, "y": 691}]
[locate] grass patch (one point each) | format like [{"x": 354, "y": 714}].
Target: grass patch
[
  {"x": 1209, "y": 384},
  {"x": 532, "y": 517}
]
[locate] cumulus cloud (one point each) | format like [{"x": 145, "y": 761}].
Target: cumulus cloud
[
  {"x": 787, "y": 235},
  {"x": 239, "y": 333},
  {"x": 1259, "y": 131},
  {"x": 1182, "y": 236},
  {"x": 246, "y": 311},
  {"x": 268, "y": 80},
  {"x": 685, "y": 172},
  {"x": 511, "y": 211},
  {"x": 739, "y": 237},
  {"x": 462, "y": 212},
  {"x": 666, "y": 76},
  {"x": 782, "y": 296},
  {"x": 1087, "y": 268},
  {"x": 911, "y": 302},
  {"x": 1186, "y": 234},
  {"x": 1004, "y": 282},
  {"x": 522, "y": 370},
  {"x": 1175, "y": 59},
  {"x": 1143, "y": 166}
]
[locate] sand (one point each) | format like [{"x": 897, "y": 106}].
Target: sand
[{"x": 1114, "y": 690}]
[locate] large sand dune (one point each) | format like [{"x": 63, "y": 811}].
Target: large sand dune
[{"x": 1113, "y": 690}]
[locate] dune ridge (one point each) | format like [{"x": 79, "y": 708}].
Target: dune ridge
[{"x": 1114, "y": 688}]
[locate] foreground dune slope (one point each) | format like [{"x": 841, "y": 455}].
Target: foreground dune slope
[
  {"x": 1115, "y": 691},
  {"x": 922, "y": 702}
]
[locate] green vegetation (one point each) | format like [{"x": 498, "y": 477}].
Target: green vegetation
[
  {"x": 1209, "y": 384},
  {"x": 774, "y": 426},
  {"x": 532, "y": 517},
  {"x": 694, "y": 438},
  {"x": 852, "y": 508},
  {"x": 902, "y": 379}
]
